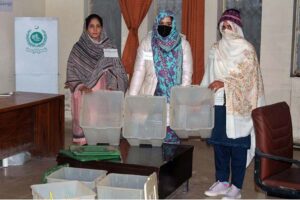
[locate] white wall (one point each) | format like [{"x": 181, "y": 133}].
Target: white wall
[
  {"x": 28, "y": 8},
  {"x": 295, "y": 107},
  {"x": 210, "y": 24},
  {"x": 70, "y": 14},
  {"x": 276, "y": 46}
]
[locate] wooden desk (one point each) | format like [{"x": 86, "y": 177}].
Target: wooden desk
[
  {"x": 31, "y": 121},
  {"x": 172, "y": 163}
]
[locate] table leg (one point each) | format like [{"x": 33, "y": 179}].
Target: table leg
[{"x": 186, "y": 186}]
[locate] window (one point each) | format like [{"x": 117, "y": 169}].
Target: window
[
  {"x": 295, "y": 69},
  {"x": 250, "y": 11}
]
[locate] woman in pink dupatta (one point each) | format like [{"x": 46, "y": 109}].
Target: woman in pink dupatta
[{"x": 90, "y": 69}]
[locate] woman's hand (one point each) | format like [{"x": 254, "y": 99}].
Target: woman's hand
[
  {"x": 216, "y": 85},
  {"x": 83, "y": 88}
]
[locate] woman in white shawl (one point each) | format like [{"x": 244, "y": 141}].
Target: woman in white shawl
[{"x": 233, "y": 73}]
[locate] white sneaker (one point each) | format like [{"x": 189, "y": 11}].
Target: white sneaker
[
  {"x": 233, "y": 193},
  {"x": 217, "y": 188}
]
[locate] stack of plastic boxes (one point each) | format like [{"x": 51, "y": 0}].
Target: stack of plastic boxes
[
  {"x": 145, "y": 120},
  {"x": 101, "y": 116},
  {"x": 192, "y": 111}
]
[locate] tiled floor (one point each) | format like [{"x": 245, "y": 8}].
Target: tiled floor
[{"x": 15, "y": 181}]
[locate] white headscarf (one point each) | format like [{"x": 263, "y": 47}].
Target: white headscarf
[{"x": 242, "y": 80}]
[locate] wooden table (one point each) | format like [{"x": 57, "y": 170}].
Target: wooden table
[
  {"x": 172, "y": 163},
  {"x": 31, "y": 121}
]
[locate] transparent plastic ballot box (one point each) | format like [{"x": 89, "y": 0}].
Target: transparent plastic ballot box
[
  {"x": 89, "y": 177},
  {"x": 145, "y": 120},
  {"x": 62, "y": 190},
  {"x": 101, "y": 116},
  {"x": 192, "y": 111},
  {"x": 127, "y": 186}
]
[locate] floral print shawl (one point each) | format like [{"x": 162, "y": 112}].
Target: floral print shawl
[{"x": 233, "y": 60}]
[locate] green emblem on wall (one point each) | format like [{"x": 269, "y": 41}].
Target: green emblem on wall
[{"x": 36, "y": 40}]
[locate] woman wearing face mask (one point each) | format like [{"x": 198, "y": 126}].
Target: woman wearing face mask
[
  {"x": 164, "y": 59},
  {"x": 233, "y": 72},
  {"x": 90, "y": 69}
]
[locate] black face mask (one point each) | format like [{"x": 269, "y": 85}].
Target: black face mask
[{"x": 164, "y": 30}]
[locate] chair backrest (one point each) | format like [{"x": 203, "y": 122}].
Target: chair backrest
[{"x": 274, "y": 135}]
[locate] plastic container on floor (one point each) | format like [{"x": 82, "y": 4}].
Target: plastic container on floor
[
  {"x": 145, "y": 120},
  {"x": 62, "y": 190},
  {"x": 192, "y": 111},
  {"x": 89, "y": 177},
  {"x": 125, "y": 186},
  {"x": 101, "y": 116},
  {"x": 18, "y": 159}
]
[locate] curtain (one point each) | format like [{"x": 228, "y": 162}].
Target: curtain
[
  {"x": 193, "y": 28},
  {"x": 133, "y": 12}
]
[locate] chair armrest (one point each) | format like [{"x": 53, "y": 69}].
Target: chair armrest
[
  {"x": 273, "y": 190},
  {"x": 277, "y": 158}
]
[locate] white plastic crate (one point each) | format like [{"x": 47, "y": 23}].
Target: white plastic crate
[
  {"x": 145, "y": 120},
  {"x": 62, "y": 190},
  {"x": 126, "y": 186},
  {"x": 192, "y": 111},
  {"x": 89, "y": 177},
  {"x": 101, "y": 116}
]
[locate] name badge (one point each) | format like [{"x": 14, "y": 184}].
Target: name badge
[
  {"x": 111, "y": 53},
  {"x": 148, "y": 55}
]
